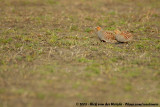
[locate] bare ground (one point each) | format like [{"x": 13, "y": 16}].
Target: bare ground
[{"x": 51, "y": 56}]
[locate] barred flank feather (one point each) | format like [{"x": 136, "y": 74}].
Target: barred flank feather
[
  {"x": 123, "y": 36},
  {"x": 105, "y": 36},
  {"x": 109, "y": 35}
]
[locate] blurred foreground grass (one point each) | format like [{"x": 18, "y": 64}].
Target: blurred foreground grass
[{"x": 50, "y": 54}]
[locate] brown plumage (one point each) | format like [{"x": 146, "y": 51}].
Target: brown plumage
[
  {"x": 123, "y": 36},
  {"x": 105, "y": 36}
]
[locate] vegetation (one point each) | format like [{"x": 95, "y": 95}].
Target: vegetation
[{"x": 51, "y": 56}]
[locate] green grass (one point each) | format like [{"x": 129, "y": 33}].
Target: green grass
[
  {"x": 40, "y": 95},
  {"x": 88, "y": 30},
  {"x": 50, "y": 53},
  {"x": 74, "y": 28},
  {"x": 84, "y": 60},
  {"x": 2, "y": 91},
  {"x": 94, "y": 68},
  {"x": 53, "y": 38},
  {"x": 128, "y": 87}
]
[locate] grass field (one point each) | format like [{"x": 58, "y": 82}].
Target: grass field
[{"x": 50, "y": 55}]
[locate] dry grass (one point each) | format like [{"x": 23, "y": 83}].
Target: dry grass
[{"x": 51, "y": 56}]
